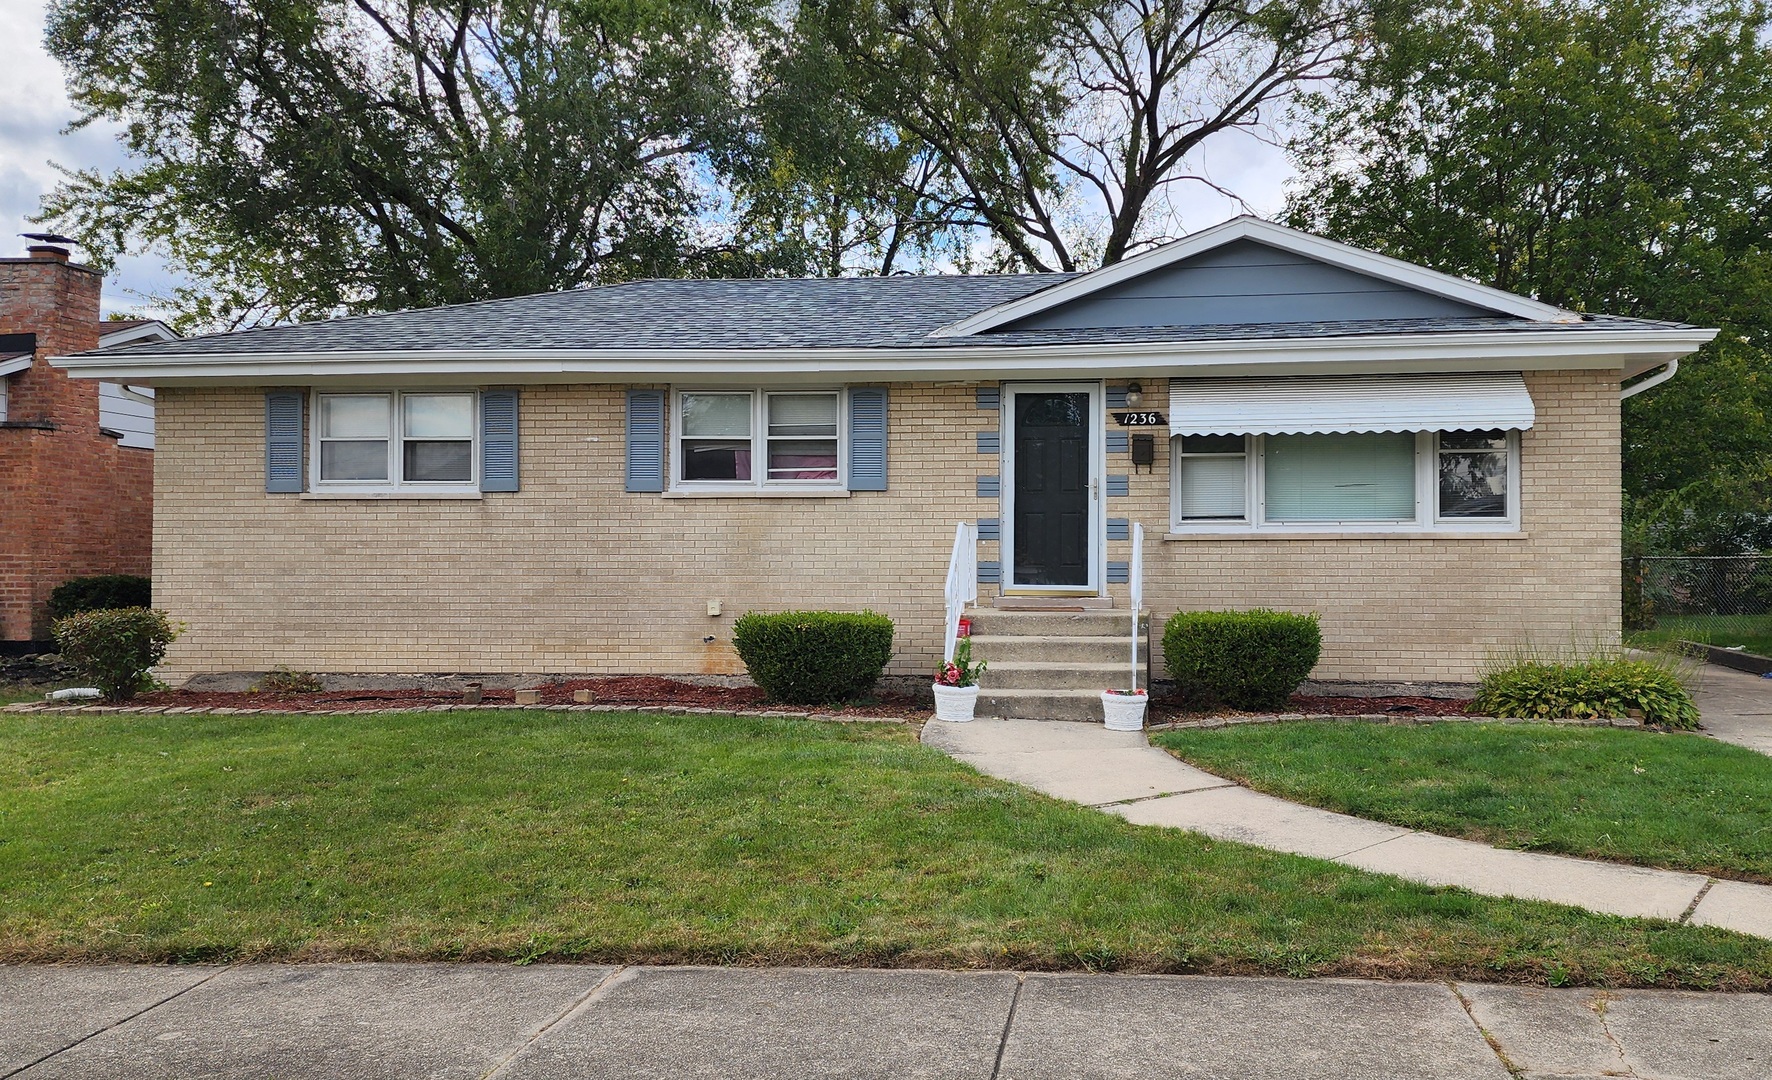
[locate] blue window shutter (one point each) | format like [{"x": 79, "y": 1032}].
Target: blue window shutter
[
  {"x": 867, "y": 438},
  {"x": 498, "y": 440},
  {"x": 283, "y": 440},
  {"x": 646, "y": 409}
]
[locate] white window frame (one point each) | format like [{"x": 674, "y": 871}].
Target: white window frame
[
  {"x": 396, "y": 445},
  {"x": 1426, "y": 519},
  {"x": 759, "y": 481}
]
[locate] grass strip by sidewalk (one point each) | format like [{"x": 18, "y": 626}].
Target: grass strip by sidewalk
[
  {"x": 597, "y": 837},
  {"x": 1674, "y": 801}
]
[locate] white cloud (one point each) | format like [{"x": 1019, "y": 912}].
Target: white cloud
[{"x": 34, "y": 111}]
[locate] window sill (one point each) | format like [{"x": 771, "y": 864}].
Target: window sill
[
  {"x": 761, "y": 493},
  {"x": 433, "y": 495},
  {"x": 1350, "y": 534}
]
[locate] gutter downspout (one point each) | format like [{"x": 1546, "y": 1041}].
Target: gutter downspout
[
  {"x": 1651, "y": 382},
  {"x": 128, "y": 393}
]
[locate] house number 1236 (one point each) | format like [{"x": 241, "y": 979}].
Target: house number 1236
[{"x": 1140, "y": 419}]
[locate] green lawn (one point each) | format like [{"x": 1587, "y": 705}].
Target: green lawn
[
  {"x": 1676, "y": 801},
  {"x": 1752, "y": 631},
  {"x": 529, "y": 835}
]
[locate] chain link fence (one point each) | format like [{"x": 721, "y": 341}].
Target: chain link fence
[{"x": 1723, "y": 600}]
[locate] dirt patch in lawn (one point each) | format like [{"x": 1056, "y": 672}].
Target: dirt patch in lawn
[{"x": 635, "y": 690}]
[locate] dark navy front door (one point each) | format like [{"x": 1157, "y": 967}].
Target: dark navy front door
[{"x": 1051, "y": 497}]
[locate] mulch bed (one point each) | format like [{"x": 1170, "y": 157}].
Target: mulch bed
[
  {"x": 1165, "y": 710},
  {"x": 635, "y": 690}
]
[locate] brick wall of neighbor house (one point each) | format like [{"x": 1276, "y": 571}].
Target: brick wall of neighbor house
[
  {"x": 1426, "y": 608},
  {"x": 574, "y": 575},
  {"x": 72, "y": 502}
]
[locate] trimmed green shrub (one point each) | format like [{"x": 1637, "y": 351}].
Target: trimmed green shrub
[
  {"x": 1608, "y": 687},
  {"x": 1244, "y": 659},
  {"x": 115, "y": 647},
  {"x": 814, "y": 657},
  {"x": 99, "y": 593}
]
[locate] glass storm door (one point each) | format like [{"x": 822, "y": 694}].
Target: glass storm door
[{"x": 1053, "y": 490}]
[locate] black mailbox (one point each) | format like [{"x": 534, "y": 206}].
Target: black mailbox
[{"x": 1144, "y": 450}]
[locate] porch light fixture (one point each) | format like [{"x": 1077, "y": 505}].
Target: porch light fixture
[{"x": 1134, "y": 395}]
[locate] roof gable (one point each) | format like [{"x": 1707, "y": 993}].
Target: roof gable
[{"x": 1251, "y": 271}]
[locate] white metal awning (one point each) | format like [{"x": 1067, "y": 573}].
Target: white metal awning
[
  {"x": 1349, "y": 403},
  {"x": 11, "y": 365}
]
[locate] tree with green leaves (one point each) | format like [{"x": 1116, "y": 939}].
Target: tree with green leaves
[
  {"x": 1061, "y": 126},
  {"x": 296, "y": 159},
  {"x": 1602, "y": 156}
]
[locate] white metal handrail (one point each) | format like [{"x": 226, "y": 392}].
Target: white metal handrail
[
  {"x": 962, "y": 583},
  {"x": 1135, "y": 583}
]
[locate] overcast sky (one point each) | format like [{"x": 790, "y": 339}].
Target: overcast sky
[{"x": 34, "y": 110}]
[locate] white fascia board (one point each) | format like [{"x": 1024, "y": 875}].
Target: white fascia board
[
  {"x": 1628, "y": 351},
  {"x": 1356, "y": 259},
  {"x": 148, "y": 331},
  {"x": 14, "y": 366}
]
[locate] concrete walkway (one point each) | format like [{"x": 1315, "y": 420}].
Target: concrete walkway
[
  {"x": 560, "y": 1022},
  {"x": 1736, "y": 707},
  {"x": 1120, "y": 773}
]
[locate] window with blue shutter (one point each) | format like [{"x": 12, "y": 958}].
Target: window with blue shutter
[
  {"x": 867, "y": 438},
  {"x": 283, "y": 441},
  {"x": 645, "y": 465},
  {"x": 498, "y": 440}
]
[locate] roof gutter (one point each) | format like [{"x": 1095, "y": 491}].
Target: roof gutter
[
  {"x": 1651, "y": 382},
  {"x": 1631, "y": 352}
]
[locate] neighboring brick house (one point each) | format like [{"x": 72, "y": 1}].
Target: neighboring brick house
[
  {"x": 601, "y": 480},
  {"x": 76, "y": 457}
]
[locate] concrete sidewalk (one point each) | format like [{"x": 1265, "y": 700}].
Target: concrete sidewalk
[
  {"x": 1120, "y": 773},
  {"x": 554, "y": 1023},
  {"x": 1736, "y": 707}
]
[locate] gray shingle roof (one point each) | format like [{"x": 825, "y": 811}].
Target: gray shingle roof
[
  {"x": 893, "y": 312},
  {"x": 660, "y": 314}
]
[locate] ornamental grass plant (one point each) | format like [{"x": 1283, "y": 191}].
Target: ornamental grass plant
[{"x": 1596, "y": 682}]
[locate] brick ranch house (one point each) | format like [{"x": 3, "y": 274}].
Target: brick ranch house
[
  {"x": 600, "y": 480},
  {"x": 76, "y": 457}
]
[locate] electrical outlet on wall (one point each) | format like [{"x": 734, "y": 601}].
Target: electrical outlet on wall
[{"x": 714, "y": 608}]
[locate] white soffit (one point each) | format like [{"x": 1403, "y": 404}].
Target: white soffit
[
  {"x": 14, "y": 365},
  {"x": 1349, "y": 404}
]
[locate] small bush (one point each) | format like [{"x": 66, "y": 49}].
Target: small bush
[
  {"x": 1602, "y": 686},
  {"x": 285, "y": 681},
  {"x": 814, "y": 657},
  {"x": 1244, "y": 659},
  {"x": 100, "y": 593},
  {"x": 115, "y": 647}
]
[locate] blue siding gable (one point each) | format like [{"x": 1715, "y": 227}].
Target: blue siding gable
[{"x": 1245, "y": 282}]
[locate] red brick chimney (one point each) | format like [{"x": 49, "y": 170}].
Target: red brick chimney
[{"x": 72, "y": 502}]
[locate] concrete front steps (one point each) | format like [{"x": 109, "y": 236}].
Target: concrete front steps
[{"x": 1053, "y": 665}]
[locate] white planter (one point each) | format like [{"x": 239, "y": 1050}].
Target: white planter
[
  {"x": 1123, "y": 712},
  {"x": 955, "y": 704}
]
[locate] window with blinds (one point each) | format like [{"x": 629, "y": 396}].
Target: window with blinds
[
  {"x": 1211, "y": 478},
  {"x": 1340, "y": 477}
]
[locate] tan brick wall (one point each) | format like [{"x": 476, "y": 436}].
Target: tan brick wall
[
  {"x": 574, "y": 575},
  {"x": 571, "y": 574},
  {"x": 1408, "y": 608}
]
